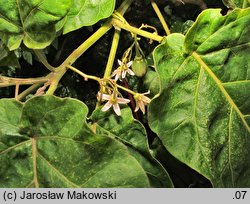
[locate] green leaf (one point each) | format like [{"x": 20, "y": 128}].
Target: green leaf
[
  {"x": 30, "y": 21},
  {"x": 27, "y": 56},
  {"x": 86, "y": 13},
  {"x": 132, "y": 133},
  {"x": 8, "y": 58},
  {"x": 151, "y": 83},
  {"x": 236, "y": 3},
  {"x": 46, "y": 143},
  {"x": 205, "y": 98}
]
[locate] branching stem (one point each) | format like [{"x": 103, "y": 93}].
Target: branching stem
[
  {"x": 28, "y": 91},
  {"x": 137, "y": 31},
  {"x": 8, "y": 81},
  {"x": 160, "y": 16},
  {"x": 85, "y": 76}
]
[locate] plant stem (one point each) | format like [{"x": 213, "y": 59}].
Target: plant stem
[
  {"x": 8, "y": 81},
  {"x": 88, "y": 43},
  {"x": 28, "y": 91},
  {"x": 96, "y": 36},
  {"x": 40, "y": 56},
  {"x": 124, "y": 6},
  {"x": 85, "y": 76},
  {"x": 221, "y": 87},
  {"x": 16, "y": 90},
  {"x": 61, "y": 70},
  {"x": 160, "y": 16},
  {"x": 137, "y": 31},
  {"x": 112, "y": 53},
  {"x": 132, "y": 100},
  {"x": 55, "y": 78},
  {"x": 125, "y": 89}
]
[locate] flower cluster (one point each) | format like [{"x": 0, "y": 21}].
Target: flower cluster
[
  {"x": 109, "y": 90},
  {"x": 122, "y": 70},
  {"x": 113, "y": 101}
]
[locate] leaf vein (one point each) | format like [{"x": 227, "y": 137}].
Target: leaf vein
[
  {"x": 221, "y": 87},
  {"x": 229, "y": 145},
  {"x": 58, "y": 172}
]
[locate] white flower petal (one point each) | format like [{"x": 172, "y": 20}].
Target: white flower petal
[
  {"x": 122, "y": 100},
  {"x": 129, "y": 64},
  {"x": 105, "y": 97},
  {"x": 145, "y": 99},
  {"x": 117, "y": 77},
  {"x": 142, "y": 107},
  {"x": 115, "y": 72},
  {"x": 117, "y": 109},
  {"x": 130, "y": 72},
  {"x": 106, "y": 106},
  {"x": 120, "y": 62},
  {"x": 136, "y": 107},
  {"x": 123, "y": 74}
]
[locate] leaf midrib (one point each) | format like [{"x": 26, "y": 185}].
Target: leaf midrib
[
  {"x": 221, "y": 87},
  {"x": 196, "y": 122},
  {"x": 229, "y": 145}
]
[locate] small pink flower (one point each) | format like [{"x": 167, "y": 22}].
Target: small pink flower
[
  {"x": 113, "y": 101},
  {"x": 141, "y": 101},
  {"x": 122, "y": 70}
]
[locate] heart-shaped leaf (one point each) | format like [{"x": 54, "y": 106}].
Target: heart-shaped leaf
[
  {"x": 46, "y": 143},
  {"x": 132, "y": 133},
  {"x": 87, "y": 12},
  {"x": 30, "y": 21},
  {"x": 205, "y": 97}
]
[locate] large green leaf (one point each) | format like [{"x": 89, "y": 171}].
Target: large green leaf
[
  {"x": 132, "y": 133},
  {"x": 87, "y": 12},
  {"x": 205, "y": 97},
  {"x": 30, "y": 21},
  {"x": 46, "y": 143}
]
